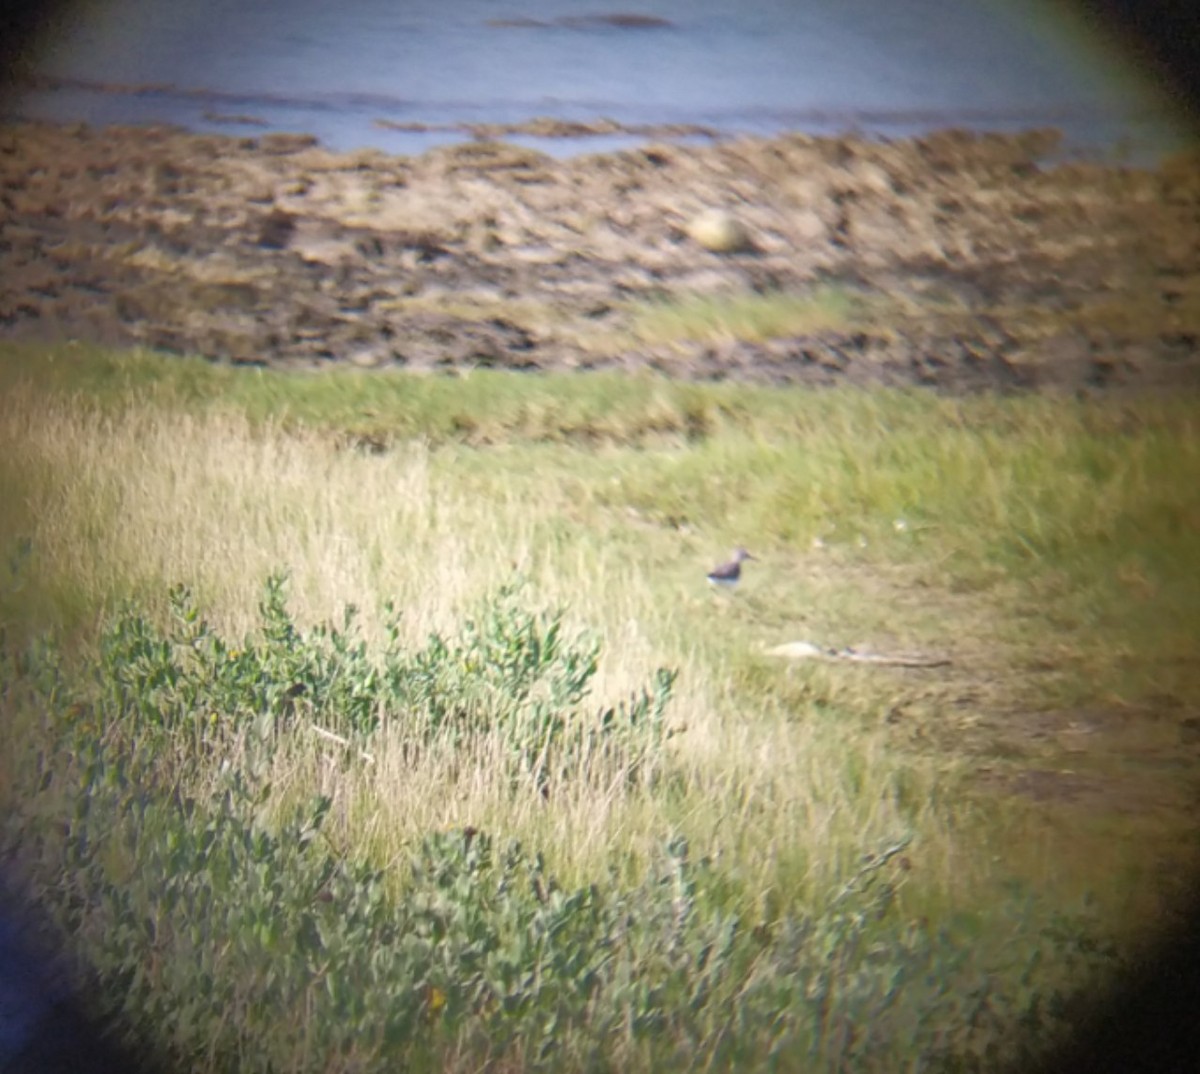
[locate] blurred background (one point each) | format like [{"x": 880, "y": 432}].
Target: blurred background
[
  {"x": 1118, "y": 79},
  {"x": 351, "y": 73}
]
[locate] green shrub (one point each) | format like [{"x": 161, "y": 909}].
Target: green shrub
[
  {"x": 509, "y": 671},
  {"x": 231, "y": 931},
  {"x": 516, "y": 672}
]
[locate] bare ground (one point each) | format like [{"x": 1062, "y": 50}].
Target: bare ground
[{"x": 978, "y": 265}]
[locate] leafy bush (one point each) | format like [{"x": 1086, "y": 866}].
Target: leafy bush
[
  {"x": 232, "y": 932},
  {"x": 517, "y": 672},
  {"x": 509, "y": 671}
]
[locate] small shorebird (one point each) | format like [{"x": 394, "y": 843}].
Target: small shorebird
[{"x": 727, "y": 574}]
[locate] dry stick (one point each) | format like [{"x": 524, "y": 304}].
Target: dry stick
[
  {"x": 873, "y": 864},
  {"x": 329, "y": 736}
]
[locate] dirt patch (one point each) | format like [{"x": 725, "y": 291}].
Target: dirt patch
[
  {"x": 993, "y": 271},
  {"x": 1047, "y": 785},
  {"x": 1134, "y": 760}
]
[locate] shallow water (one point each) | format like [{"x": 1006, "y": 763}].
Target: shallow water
[{"x": 871, "y": 66}]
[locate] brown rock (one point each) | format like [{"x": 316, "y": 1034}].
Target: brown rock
[{"x": 282, "y": 144}]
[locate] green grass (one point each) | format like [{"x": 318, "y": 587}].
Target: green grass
[
  {"x": 753, "y": 317},
  {"x": 1042, "y": 546}
]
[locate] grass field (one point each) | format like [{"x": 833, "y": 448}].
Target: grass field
[{"x": 727, "y": 858}]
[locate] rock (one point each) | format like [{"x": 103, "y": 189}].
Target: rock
[
  {"x": 281, "y": 144},
  {"x": 326, "y": 250},
  {"x": 370, "y": 357},
  {"x": 719, "y": 231},
  {"x": 620, "y": 19},
  {"x": 808, "y": 227},
  {"x": 276, "y": 229}
]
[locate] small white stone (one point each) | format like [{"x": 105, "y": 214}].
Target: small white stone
[{"x": 719, "y": 231}]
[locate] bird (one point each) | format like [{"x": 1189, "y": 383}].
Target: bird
[{"x": 727, "y": 574}]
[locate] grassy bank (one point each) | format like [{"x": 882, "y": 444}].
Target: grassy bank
[{"x": 706, "y": 829}]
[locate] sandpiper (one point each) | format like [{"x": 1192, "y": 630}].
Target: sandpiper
[{"x": 727, "y": 574}]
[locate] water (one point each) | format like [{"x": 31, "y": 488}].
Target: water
[{"x": 333, "y": 70}]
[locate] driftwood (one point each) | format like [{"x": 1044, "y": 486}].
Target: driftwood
[{"x": 806, "y": 650}]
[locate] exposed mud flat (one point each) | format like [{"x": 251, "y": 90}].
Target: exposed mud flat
[{"x": 978, "y": 265}]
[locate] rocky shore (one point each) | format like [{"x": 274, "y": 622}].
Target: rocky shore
[{"x": 970, "y": 262}]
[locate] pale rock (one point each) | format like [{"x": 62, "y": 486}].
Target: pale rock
[{"x": 720, "y": 231}]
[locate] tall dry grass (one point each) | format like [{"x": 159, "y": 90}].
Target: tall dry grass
[
  {"x": 136, "y": 500},
  {"x": 1042, "y": 545}
]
